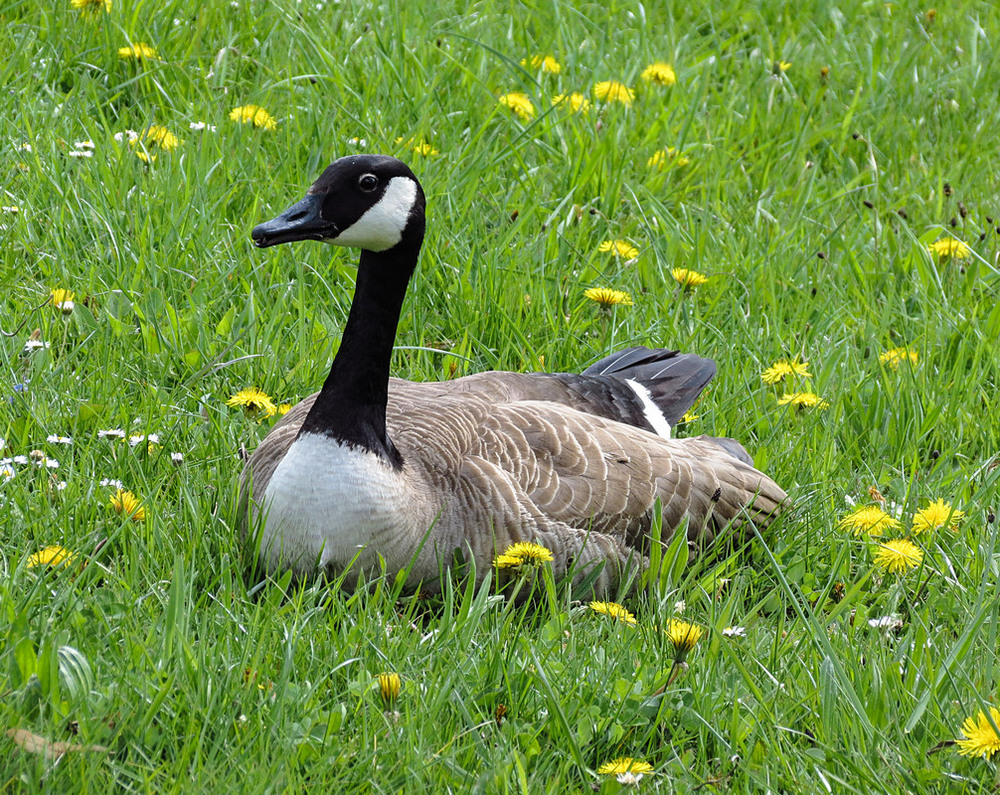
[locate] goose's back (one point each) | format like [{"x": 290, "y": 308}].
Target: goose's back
[{"x": 564, "y": 466}]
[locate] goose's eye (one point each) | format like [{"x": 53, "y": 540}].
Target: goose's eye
[{"x": 368, "y": 182}]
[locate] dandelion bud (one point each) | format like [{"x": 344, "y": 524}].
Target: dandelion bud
[{"x": 388, "y": 688}]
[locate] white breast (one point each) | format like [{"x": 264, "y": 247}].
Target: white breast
[{"x": 327, "y": 502}]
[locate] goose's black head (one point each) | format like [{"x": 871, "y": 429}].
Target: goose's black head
[{"x": 372, "y": 202}]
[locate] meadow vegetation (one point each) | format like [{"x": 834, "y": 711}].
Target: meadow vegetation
[{"x": 806, "y": 193}]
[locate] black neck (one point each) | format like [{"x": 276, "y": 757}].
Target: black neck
[{"x": 351, "y": 405}]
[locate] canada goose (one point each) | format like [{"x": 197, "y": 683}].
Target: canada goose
[{"x": 374, "y": 467}]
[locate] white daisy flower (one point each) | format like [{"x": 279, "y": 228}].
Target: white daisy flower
[
  {"x": 6, "y": 472},
  {"x": 116, "y": 432},
  {"x": 115, "y": 484},
  {"x": 85, "y": 145},
  {"x": 131, "y": 135},
  {"x": 34, "y": 345},
  {"x": 735, "y": 632},
  {"x": 53, "y": 439},
  {"x": 81, "y": 153},
  {"x": 177, "y": 459},
  {"x": 891, "y": 621}
]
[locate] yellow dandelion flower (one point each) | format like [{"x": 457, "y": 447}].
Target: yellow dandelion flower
[
  {"x": 62, "y": 299},
  {"x": 162, "y": 137},
  {"x": 140, "y": 51},
  {"x": 388, "y": 688},
  {"x": 894, "y": 356},
  {"x": 690, "y": 416},
  {"x": 127, "y": 503},
  {"x": 935, "y": 515},
  {"x": 624, "y": 764},
  {"x": 576, "y": 101},
  {"x": 981, "y": 739},
  {"x": 613, "y": 91},
  {"x": 507, "y": 562},
  {"x": 614, "y": 610},
  {"x": 620, "y": 248},
  {"x": 868, "y": 519},
  {"x": 418, "y": 146},
  {"x": 782, "y": 368},
  {"x": 424, "y": 149},
  {"x": 898, "y": 556},
  {"x": 803, "y": 400},
  {"x": 949, "y": 247},
  {"x": 661, "y": 157},
  {"x": 253, "y": 401},
  {"x": 524, "y": 553},
  {"x": 781, "y": 66},
  {"x": 546, "y": 63},
  {"x": 688, "y": 279},
  {"x": 284, "y": 408},
  {"x": 91, "y": 8},
  {"x": 683, "y": 635},
  {"x": 518, "y": 102},
  {"x": 253, "y": 115},
  {"x": 51, "y": 556},
  {"x": 605, "y": 296},
  {"x": 660, "y": 73},
  {"x": 529, "y": 552},
  {"x": 155, "y": 135}
]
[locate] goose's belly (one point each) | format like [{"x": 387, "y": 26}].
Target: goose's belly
[{"x": 327, "y": 504}]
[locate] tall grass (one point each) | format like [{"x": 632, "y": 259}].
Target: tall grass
[{"x": 818, "y": 150}]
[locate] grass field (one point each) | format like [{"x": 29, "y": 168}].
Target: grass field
[{"x": 831, "y": 168}]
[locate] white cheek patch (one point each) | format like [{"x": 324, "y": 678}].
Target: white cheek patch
[
  {"x": 382, "y": 225},
  {"x": 653, "y": 415}
]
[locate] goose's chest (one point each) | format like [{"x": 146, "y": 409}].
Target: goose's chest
[{"x": 327, "y": 503}]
